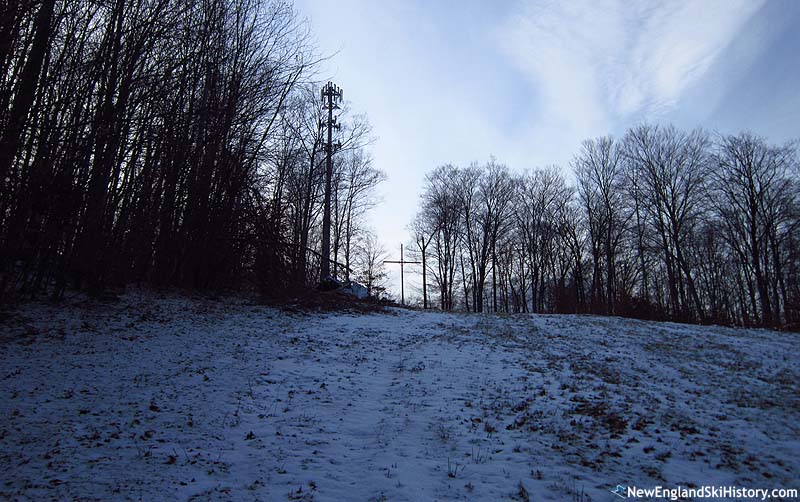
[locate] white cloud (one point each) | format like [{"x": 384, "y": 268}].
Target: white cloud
[
  {"x": 441, "y": 82},
  {"x": 595, "y": 62}
]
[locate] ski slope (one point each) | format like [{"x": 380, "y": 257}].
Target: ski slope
[{"x": 173, "y": 398}]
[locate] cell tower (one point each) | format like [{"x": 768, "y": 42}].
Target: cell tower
[{"x": 331, "y": 96}]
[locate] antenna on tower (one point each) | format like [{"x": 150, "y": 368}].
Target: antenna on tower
[{"x": 331, "y": 96}]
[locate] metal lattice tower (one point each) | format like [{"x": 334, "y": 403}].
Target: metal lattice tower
[{"x": 331, "y": 96}]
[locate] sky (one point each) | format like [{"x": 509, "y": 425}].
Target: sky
[{"x": 526, "y": 81}]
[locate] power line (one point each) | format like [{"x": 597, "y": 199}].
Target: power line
[{"x": 402, "y": 273}]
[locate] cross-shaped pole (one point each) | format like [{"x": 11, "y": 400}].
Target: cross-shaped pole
[{"x": 402, "y": 281}]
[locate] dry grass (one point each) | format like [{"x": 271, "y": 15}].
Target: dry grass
[{"x": 312, "y": 300}]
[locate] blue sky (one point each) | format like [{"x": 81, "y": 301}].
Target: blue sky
[{"x": 527, "y": 81}]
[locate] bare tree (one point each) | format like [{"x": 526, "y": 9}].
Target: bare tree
[
  {"x": 484, "y": 194},
  {"x": 672, "y": 170},
  {"x": 541, "y": 195},
  {"x": 753, "y": 197},
  {"x": 173, "y": 142},
  {"x": 371, "y": 269},
  {"x": 355, "y": 180},
  {"x": 441, "y": 208},
  {"x": 598, "y": 170},
  {"x": 662, "y": 224},
  {"x": 423, "y": 231}
]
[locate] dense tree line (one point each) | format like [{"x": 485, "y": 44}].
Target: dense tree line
[
  {"x": 661, "y": 224},
  {"x": 170, "y": 142}
]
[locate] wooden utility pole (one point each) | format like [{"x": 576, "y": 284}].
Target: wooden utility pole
[
  {"x": 331, "y": 96},
  {"x": 422, "y": 245},
  {"x": 402, "y": 273},
  {"x": 424, "y": 276}
]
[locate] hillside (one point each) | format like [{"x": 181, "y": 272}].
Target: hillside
[{"x": 175, "y": 398}]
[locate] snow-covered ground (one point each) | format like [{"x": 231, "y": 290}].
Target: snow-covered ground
[{"x": 175, "y": 398}]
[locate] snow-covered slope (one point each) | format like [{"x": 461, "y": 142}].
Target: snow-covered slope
[{"x": 175, "y": 398}]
